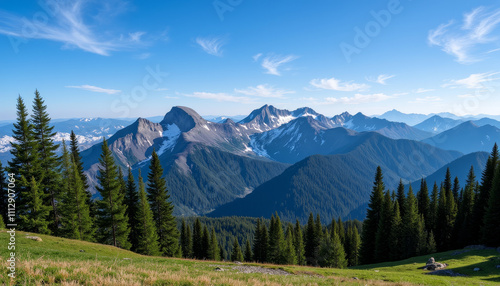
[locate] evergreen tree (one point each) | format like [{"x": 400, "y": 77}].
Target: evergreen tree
[
  {"x": 491, "y": 229},
  {"x": 382, "y": 244},
  {"x": 236, "y": 254},
  {"x": 44, "y": 137},
  {"x": 432, "y": 246},
  {"x": 162, "y": 209},
  {"x": 114, "y": 228},
  {"x": 456, "y": 189},
  {"x": 276, "y": 241},
  {"x": 353, "y": 242},
  {"x": 332, "y": 252},
  {"x": 205, "y": 242},
  {"x": 447, "y": 182},
  {"x": 258, "y": 248},
  {"x": 248, "y": 251},
  {"x": 75, "y": 151},
  {"x": 186, "y": 240},
  {"x": 312, "y": 246},
  {"x": 483, "y": 197},
  {"x": 35, "y": 217},
  {"x": 290, "y": 256},
  {"x": 396, "y": 235},
  {"x": 147, "y": 242},
  {"x": 424, "y": 203},
  {"x": 76, "y": 222},
  {"x": 25, "y": 162},
  {"x": 132, "y": 203},
  {"x": 433, "y": 210},
  {"x": 197, "y": 239},
  {"x": 401, "y": 196},
  {"x": 371, "y": 222},
  {"x": 410, "y": 225},
  {"x": 341, "y": 229},
  {"x": 464, "y": 224},
  {"x": 213, "y": 250},
  {"x": 299, "y": 244}
]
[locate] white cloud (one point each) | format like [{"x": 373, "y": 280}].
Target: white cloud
[
  {"x": 144, "y": 56},
  {"x": 464, "y": 95},
  {"x": 336, "y": 84},
  {"x": 380, "y": 79},
  {"x": 264, "y": 90},
  {"x": 272, "y": 63},
  {"x": 211, "y": 45},
  {"x": 360, "y": 98},
  {"x": 475, "y": 80},
  {"x": 161, "y": 89},
  {"x": 465, "y": 41},
  {"x": 67, "y": 26},
  {"x": 219, "y": 97},
  {"x": 427, "y": 99},
  {"x": 95, "y": 89},
  {"x": 256, "y": 57},
  {"x": 422, "y": 90}
]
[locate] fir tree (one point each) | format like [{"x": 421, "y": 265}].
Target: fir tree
[
  {"x": 401, "y": 196},
  {"x": 214, "y": 251},
  {"x": 341, "y": 229},
  {"x": 371, "y": 222},
  {"x": 114, "y": 228},
  {"x": 186, "y": 240},
  {"x": 205, "y": 243},
  {"x": 162, "y": 208},
  {"x": 382, "y": 244},
  {"x": 433, "y": 210},
  {"x": 46, "y": 148},
  {"x": 132, "y": 203},
  {"x": 299, "y": 244},
  {"x": 353, "y": 243},
  {"x": 456, "y": 189},
  {"x": 35, "y": 217},
  {"x": 332, "y": 252},
  {"x": 147, "y": 242},
  {"x": 236, "y": 254},
  {"x": 276, "y": 241},
  {"x": 424, "y": 203},
  {"x": 396, "y": 235},
  {"x": 248, "y": 251},
  {"x": 290, "y": 256},
  {"x": 257, "y": 242},
  {"x": 311, "y": 246},
  {"x": 410, "y": 225},
  {"x": 483, "y": 197},
  {"x": 464, "y": 224},
  {"x": 76, "y": 222},
  {"x": 197, "y": 239},
  {"x": 491, "y": 229},
  {"x": 24, "y": 163}
]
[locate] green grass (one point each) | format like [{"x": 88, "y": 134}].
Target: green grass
[{"x": 59, "y": 261}]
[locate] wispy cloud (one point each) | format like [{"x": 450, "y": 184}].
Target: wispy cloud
[
  {"x": 256, "y": 57},
  {"x": 360, "y": 98},
  {"x": 95, "y": 89},
  {"x": 427, "y": 99},
  {"x": 212, "y": 45},
  {"x": 380, "y": 79},
  {"x": 143, "y": 56},
  {"x": 264, "y": 90},
  {"x": 466, "y": 40},
  {"x": 475, "y": 80},
  {"x": 272, "y": 63},
  {"x": 66, "y": 25},
  {"x": 422, "y": 90},
  {"x": 219, "y": 97},
  {"x": 336, "y": 84}
]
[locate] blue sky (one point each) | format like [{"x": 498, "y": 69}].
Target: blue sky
[{"x": 228, "y": 57}]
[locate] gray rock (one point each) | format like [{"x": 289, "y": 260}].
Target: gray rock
[
  {"x": 431, "y": 261},
  {"x": 355, "y": 278},
  {"x": 219, "y": 269},
  {"x": 35, "y": 238},
  {"x": 435, "y": 266},
  {"x": 476, "y": 269},
  {"x": 81, "y": 250}
]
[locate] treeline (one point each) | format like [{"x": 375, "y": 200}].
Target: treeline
[{"x": 400, "y": 225}]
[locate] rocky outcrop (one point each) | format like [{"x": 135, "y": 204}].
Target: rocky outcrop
[{"x": 432, "y": 265}]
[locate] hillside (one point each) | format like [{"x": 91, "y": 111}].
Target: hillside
[
  {"x": 57, "y": 260},
  {"x": 335, "y": 185}
]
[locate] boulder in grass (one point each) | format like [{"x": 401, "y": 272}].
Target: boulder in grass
[
  {"x": 432, "y": 265},
  {"x": 35, "y": 238}
]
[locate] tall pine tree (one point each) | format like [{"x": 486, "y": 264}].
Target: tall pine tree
[
  {"x": 299, "y": 244},
  {"x": 132, "y": 203},
  {"x": 113, "y": 223},
  {"x": 491, "y": 229},
  {"x": 147, "y": 242},
  {"x": 370, "y": 225},
  {"x": 162, "y": 208}
]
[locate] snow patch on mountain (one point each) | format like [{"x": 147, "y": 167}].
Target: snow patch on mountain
[
  {"x": 5, "y": 143},
  {"x": 171, "y": 134}
]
